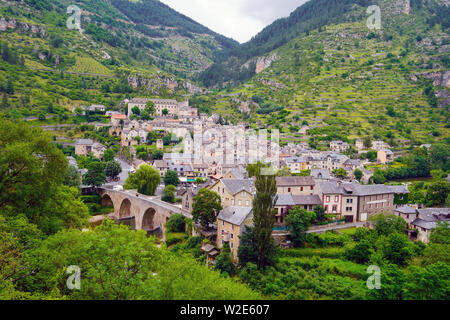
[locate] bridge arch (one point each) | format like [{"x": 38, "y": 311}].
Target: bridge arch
[
  {"x": 107, "y": 201},
  {"x": 148, "y": 219},
  {"x": 125, "y": 209}
]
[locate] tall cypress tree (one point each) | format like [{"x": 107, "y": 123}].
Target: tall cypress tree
[{"x": 264, "y": 217}]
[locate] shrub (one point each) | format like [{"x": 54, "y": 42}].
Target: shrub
[{"x": 176, "y": 223}]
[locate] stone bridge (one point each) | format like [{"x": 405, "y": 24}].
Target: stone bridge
[{"x": 149, "y": 214}]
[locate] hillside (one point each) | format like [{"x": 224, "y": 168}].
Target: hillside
[
  {"x": 344, "y": 81},
  {"x": 139, "y": 47}
]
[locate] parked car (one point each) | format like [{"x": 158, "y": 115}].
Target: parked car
[{"x": 118, "y": 188}]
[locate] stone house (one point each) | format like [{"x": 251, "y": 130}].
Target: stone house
[
  {"x": 187, "y": 199},
  {"x": 296, "y": 164},
  {"x": 83, "y": 147},
  {"x": 385, "y": 156},
  {"x": 231, "y": 223},
  {"x": 235, "y": 192},
  {"x": 161, "y": 166},
  {"x": 296, "y": 185},
  {"x": 339, "y": 146},
  {"x": 288, "y": 201},
  {"x": 428, "y": 219}
]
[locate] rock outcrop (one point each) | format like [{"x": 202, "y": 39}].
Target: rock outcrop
[
  {"x": 21, "y": 26},
  {"x": 262, "y": 63},
  {"x": 159, "y": 82},
  {"x": 439, "y": 78}
]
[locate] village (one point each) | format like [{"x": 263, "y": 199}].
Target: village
[{"x": 307, "y": 178}]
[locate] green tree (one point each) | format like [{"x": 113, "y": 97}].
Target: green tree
[
  {"x": 430, "y": 283},
  {"x": 157, "y": 154},
  {"x": 264, "y": 217},
  {"x": 340, "y": 173},
  {"x": 441, "y": 233},
  {"x": 392, "y": 284},
  {"x": 176, "y": 223},
  {"x": 378, "y": 177},
  {"x": 171, "y": 178},
  {"x": 136, "y": 111},
  {"x": 298, "y": 221},
  {"x": 31, "y": 168},
  {"x": 206, "y": 207},
  {"x": 152, "y": 273},
  {"x": 150, "y": 107},
  {"x": 439, "y": 156},
  {"x": 223, "y": 260},
  {"x": 146, "y": 180},
  {"x": 385, "y": 224},
  {"x": 108, "y": 155},
  {"x": 247, "y": 249},
  {"x": 395, "y": 248},
  {"x": 72, "y": 177},
  {"x": 165, "y": 111},
  {"x": 169, "y": 194},
  {"x": 358, "y": 174},
  {"x": 360, "y": 252},
  {"x": 320, "y": 213},
  {"x": 95, "y": 176},
  {"x": 112, "y": 169},
  {"x": 437, "y": 193},
  {"x": 9, "y": 87}
]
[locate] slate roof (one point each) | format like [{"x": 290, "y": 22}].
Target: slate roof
[
  {"x": 307, "y": 199},
  {"x": 321, "y": 174},
  {"x": 239, "y": 173},
  {"x": 85, "y": 142},
  {"x": 406, "y": 210},
  {"x": 295, "y": 181},
  {"x": 160, "y": 164},
  {"x": 429, "y": 217},
  {"x": 332, "y": 187},
  {"x": 238, "y": 185},
  {"x": 399, "y": 189},
  {"x": 235, "y": 215},
  {"x": 295, "y": 200}
]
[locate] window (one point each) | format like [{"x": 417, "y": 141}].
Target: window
[
  {"x": 223, "y": 223},
  {"x": 334, "y": 208},
  {"x": 289, "y": 189},
  {"x": 312, "y": 187},
  {"x": 246, "y": 202},
  {"x": 301, "y": 188},
  {"x": 240, "y": 203},
  {"x": 231, "y": 236},
  {"x": 336, "y": 198},
  {"x": 232, "y": 245},
  {"x": 349, "y": 200},
  {"x": 232, "y": 202}
]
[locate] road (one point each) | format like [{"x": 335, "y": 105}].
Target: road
[{"x": 123, "y": 175}]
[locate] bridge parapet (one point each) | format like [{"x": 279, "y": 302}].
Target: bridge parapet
[{"x": 149, "y": 213}]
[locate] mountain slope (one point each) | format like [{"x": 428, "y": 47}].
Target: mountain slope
[
  {"x": 119, "y": 52},
  {"x": 240, "y": 63},
  {"x": 345, "y": 81}
]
